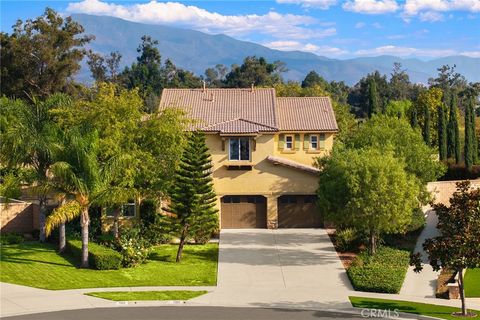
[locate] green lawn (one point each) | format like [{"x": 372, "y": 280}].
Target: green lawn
[
  {"x": 407, "y": 307},
  {"x": 146, "y": 295},
  {"x": 472, "y": 283},
  {"x": 38, "y": 265}
]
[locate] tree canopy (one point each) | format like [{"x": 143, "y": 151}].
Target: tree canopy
[
  {"x": 41, "y": 55},
  {"x": 369, "y": 190}
]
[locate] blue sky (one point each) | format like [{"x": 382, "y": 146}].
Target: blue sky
[{"x": 334, "y": 28}]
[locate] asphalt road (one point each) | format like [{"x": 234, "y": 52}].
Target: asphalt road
[{"x": 186, "y": 313}]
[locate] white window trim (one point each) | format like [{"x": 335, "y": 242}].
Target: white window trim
[
  {"x": 239, "y": 153},
  {"x": 286, "y": 144},
  {"x": 311, "y": 143}
]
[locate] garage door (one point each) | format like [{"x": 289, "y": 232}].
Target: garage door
[
  {"x": 298, "y": 212},
  {"x": 239, "y": 212}
]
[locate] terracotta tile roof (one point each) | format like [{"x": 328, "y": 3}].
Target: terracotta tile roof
[
  {"x": 246, "y": 111},
  {"x": 292, "y": 164},
  {"x": 305, "y": 114}
]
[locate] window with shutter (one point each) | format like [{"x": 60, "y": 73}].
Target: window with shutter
[{"x": 289, "y": 142}]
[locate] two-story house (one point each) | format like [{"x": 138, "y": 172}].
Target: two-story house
[{"x": 263, "y": 149}]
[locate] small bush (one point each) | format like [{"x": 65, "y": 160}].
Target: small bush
[
  {"x": 102, "y": 258},
  {"x": 383, "y": 272},
  {"x": 346, "y": 239},
  {"x": 133, "y": 247},
  {"x": 11, "y": 238}
]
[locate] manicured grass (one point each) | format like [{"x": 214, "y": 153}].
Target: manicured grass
[
  {"x": 423, "y": 309},
  {"x": 38, "y": 265},
  {"x": 146, "y": 295},
  {"x": 384, "y": 272},
  {"x": 472, "y": 283}
]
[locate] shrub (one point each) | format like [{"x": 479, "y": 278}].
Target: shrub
[
  {"x": 346, "y": 239},
  {"x": 102, "y": 258},
  {"x": 383, "y": 272},
  {"x": 460, "y": 172},
  {"x": 156, "y": 228},
  {"x": 133, "y": 247},
  {"x": 418, "y": 220},
  {"x": 11, "y": 238}
]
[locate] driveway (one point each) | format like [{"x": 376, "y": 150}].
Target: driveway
[{"x": 279, "y": 268}]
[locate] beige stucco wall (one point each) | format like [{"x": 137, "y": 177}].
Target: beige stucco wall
[{"x": 265, "y": 178}]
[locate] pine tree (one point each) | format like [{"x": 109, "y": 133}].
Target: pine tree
[
  {"x": 192, "y": 199},
  {"x": 442, "y": 133},
  {"x": 453, "y": 134},
  {"x": 373, "y": 98},
  {"x": 426, "y": 125}
]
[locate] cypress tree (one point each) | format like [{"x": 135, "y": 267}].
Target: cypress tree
[
  {"x": 474, "y": 131},
  {"x": 468, "y": 151},
  {"x": 442, "y": 133},
  {"x": 470, "y": 139},
  {"x": 373, "y": 98},
  {"x": 426, "y": 125},
  {"x": 453, "y": 135},
  {"x": 414, "y": 118},
  {"x": 192, "y": 198}
]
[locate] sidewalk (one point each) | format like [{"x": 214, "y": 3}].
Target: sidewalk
[
  {"x": 17, "y": 300},
  {"x": 423, "y": 284}
]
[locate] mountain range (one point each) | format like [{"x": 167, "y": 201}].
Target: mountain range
[{"x": 196, "y": 51}]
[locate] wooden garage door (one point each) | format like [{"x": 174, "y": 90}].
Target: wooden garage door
[
  {"x": 239, "y": 212},
  {"x": 298, "y": 212}
]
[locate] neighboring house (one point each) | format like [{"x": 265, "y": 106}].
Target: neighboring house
[{"x": 263, "y": 148}]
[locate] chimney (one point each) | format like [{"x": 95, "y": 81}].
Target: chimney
[
  {"x": 251, "y": 88},
  {"x": 204, "y": 86},
  {"x": 212, "y": 98}
]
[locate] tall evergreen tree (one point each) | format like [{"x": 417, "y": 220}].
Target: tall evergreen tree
[
  {"x": 373, "y": 98},
  {"x": 468, "y": 148},
  {"x": 192, "y": 199},
  {"x": 453, "y": 134},
  {"x": 426, "y": 125},
  {"x": 414, "y": 118},
  {"x": 442, "y": 132},
  {"x": 470, "y": 141}
]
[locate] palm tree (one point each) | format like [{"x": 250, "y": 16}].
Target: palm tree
[
  {"x": 82, "y": 176},
  {"x": 29, "y": 139}
]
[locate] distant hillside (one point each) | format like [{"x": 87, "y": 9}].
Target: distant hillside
[{"x": 196, "y": 51}]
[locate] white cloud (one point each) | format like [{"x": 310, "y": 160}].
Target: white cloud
[
  {"x": 431, "y": 16},
  {"x": 371, "y": 6},
  {"x": 360, "y": 25},
  {"x": 320, "y": 4},
  {"x": 377, "y": 25},
  {"x": 174, "y": 13},
  {"x": 309, "y": 47},
  {"x": 413, "y": 7},
  {"x": 409, "y": 51}
]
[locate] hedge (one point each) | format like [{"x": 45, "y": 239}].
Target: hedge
[
  {"x": 102, "y": 258},
  {"x": 384, "y": 272},
  {"x": 460, "y": 172}
]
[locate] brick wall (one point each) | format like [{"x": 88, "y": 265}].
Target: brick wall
[{"x": 443, "y": 190}]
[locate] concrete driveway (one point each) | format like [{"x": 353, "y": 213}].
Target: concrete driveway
[{"x": 279, "y": 268}]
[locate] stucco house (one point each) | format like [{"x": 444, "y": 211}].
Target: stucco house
[{"x": 263, "y": 148}]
